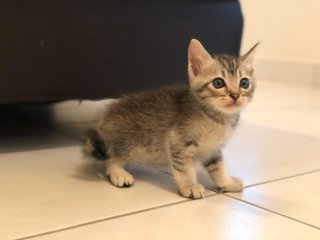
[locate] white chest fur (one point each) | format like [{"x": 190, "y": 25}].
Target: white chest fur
[{"x": 211, "y": 139}]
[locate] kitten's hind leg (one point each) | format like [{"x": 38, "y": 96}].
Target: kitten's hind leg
[
  {"x": 185, "y": 176},
  {"x": 217, "y": 171},
  {"x": 117, "y": 174}
]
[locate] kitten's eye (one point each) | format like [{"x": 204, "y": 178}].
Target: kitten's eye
[
  {"x": 218, "y": 83},
  {"x": 244, "y": 83}
]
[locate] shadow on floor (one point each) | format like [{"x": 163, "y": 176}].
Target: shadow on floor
[
  {"x": 20, "y": 134},
  {"x": 90, "y": 171}
]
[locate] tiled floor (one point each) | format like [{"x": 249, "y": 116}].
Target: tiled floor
[{"x": 47, "y": 191}]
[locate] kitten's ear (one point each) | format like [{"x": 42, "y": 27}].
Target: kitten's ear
[
  {"x": 247, "y": 59},
  {"x": 197, "y": 56}
]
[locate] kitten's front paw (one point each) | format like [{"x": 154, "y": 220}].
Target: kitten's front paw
[
  {"x": 121, "y": 179},
  {"x": 231, "y": 185},
  {"x": 194, "y": 191}
]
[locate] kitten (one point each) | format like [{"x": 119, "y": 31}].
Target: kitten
[{"x": 177, "y": 125}]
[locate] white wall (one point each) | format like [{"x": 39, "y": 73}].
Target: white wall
[
  {"x": 289, "y": 33},
  {"x": 287, "y": 29}
]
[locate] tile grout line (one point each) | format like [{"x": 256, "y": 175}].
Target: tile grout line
[
  {"x": 207, "y": 188},
  {"x": 177, "y": 203},
  {"x": 270, "y": 181},
  {"x": 271, "y": 211},
  {"x": 214, "y": 192},
  {"x": 112, "y": 218},
  {"x": 283, "y": 178},
  {"x": 260, "y": 183},
  {"x": 98, "y": 221}
]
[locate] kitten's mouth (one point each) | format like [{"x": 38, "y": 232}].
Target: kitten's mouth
[{"x": 233, "y": 104}]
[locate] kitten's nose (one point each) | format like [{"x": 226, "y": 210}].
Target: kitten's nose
[{"x": 234, "y": 96}]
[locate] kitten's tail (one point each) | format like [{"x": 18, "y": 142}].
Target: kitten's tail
[{"x": 95, "y": 147}]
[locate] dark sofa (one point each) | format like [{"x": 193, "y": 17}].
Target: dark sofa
[{"x": 53, "y": 50}]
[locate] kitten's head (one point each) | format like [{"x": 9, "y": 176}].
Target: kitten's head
[{"x": 224, "y": 82}]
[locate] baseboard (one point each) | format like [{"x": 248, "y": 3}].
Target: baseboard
[{"x": 288, "y": 71}]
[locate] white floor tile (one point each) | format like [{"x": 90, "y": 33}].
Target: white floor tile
[
  {"x": 304, "y": 122},
  {"x": 296, "y": 197},
  {"x": 256, "y": 155},
  {"x": 51, "y": 189},
  {"x": 217, "y": 217}
]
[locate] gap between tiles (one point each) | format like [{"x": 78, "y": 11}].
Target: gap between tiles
[
  {"x": 212, "y": 194},
  {"x": 268, "y": 210},
  {"x": 212, "y": 189},
  {"x": 283, "y": 178}
]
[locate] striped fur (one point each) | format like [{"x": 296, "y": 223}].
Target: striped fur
[{"x": 177, "y": 126}]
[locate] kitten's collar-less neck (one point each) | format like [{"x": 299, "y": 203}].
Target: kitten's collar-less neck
[{"x": 216, "y": 115}]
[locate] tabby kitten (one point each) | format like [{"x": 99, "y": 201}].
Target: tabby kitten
[{"x": 177, "y": 126}]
